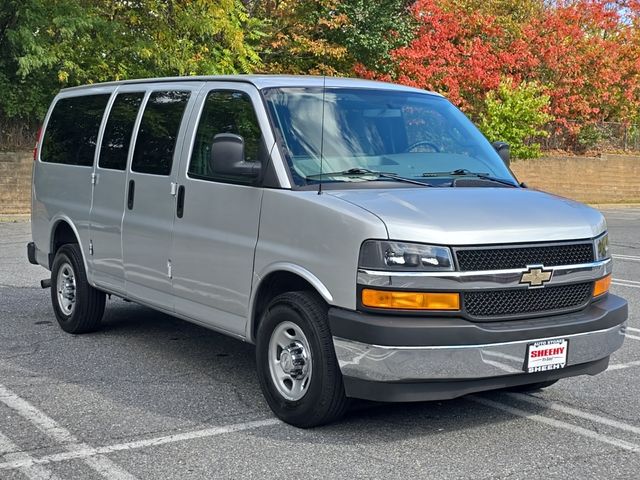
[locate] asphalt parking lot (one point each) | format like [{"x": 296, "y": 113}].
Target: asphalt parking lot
[{"x": 150, "y": 396}]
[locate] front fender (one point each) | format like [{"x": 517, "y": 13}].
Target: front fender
[{"x": 283, "y": 267}]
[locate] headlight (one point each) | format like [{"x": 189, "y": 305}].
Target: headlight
[
  {"x": 404, "y": 257},
  {"x": 602, "y": 246}
]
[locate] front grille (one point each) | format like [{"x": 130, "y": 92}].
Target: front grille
[
  {"x": 516, "y": 302},
  {"x": 504, "y": 258}
]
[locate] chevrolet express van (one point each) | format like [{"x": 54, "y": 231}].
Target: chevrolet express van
[{"x": 365, "y": 236}]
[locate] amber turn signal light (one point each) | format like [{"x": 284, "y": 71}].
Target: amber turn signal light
[
  {"x": 602, "y": 286},
  {"x": 410, "y": 300}
]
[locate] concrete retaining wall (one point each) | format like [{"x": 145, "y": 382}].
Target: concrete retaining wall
[
  {"x": 606, "y": 179},
  {"x": 15, "y": 182}
]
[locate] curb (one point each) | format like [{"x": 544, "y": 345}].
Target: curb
[
  {"x": 613, "y": 206},
  {"x": 15, "y": 217}
]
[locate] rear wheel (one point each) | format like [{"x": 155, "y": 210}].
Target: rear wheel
[
  {"x": 78, "y": 306},
  {"x": 297, "y": 366}
]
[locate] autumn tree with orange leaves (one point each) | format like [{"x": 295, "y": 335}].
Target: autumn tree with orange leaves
[{"x": 585, "y": 55}]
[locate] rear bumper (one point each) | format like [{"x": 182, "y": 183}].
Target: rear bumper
[
  {"x": 412, "y": 359},
  {"x": 38, "y": 257},
  {"x": 31, "y": 253}
]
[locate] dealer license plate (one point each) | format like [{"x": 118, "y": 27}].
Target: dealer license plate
[{"x": 546, "y": 355}]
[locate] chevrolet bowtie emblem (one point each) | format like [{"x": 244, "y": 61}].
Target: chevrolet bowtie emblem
[{"x": 536, "y": 276}]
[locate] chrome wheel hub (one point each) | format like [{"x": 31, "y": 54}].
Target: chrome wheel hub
[
  {"x": 66, "y": 288},
  {"x": 290, "y": 361},
  {"x": 293, "y": 360}
]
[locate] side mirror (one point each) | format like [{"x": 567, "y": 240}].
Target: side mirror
[
  {"x": 227, "y": 157},
  {"x": 504, "y": 151}
]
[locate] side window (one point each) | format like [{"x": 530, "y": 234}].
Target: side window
[
  {"x": 225, "y": 112},
  {"x": 117, "y": 134},
  {"x": 158, "y": 132},
  {"x": 72, "y": 131}
]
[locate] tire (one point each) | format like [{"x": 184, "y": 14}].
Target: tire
[
  {"x": 531, "y": 387},
  {"x": 78, "y": 306},
  {"x": 314, "y": 394}
]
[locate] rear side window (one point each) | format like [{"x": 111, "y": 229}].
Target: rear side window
[
  {"x": 117, "y": 134},
  {"x": 225, "y": 111},
  {"x": 72, "y": 130},
  {"x": 156, "y": 141}
]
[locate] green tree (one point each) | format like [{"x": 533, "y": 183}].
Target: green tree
[
  {"x": 46, "y": 45},
  {"x": 516, "y": 114},
  {"x": 298, "y": 36},
  {"x": 176, "y": 37},
  {"x": 37, "y": 40},
  {"x": 331, "y": 37},
  {"x": 373, "y": 31}
]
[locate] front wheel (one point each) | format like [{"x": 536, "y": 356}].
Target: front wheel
[
  {"x": 297, "y": 366},
  {"x": 78, "y": 306}
]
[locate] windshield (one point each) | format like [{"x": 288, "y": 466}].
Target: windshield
[{"x": 412, "y": 135}]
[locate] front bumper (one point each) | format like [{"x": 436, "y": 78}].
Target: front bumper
[{"x": 412, "y": 359}]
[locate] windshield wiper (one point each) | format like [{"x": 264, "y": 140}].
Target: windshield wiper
[
  {"x": 463, "y": 172},
  {"x": 352, "y": 172}
]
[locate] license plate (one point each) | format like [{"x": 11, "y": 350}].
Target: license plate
[{"x": 546, "y": 355}]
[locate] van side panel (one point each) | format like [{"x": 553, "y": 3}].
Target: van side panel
[
  {"x": 62, "y": 192},
  {"x": 109, "y": 191},
  {"x": 214, "y": 240},
  {"x": 147, "y": 226}
]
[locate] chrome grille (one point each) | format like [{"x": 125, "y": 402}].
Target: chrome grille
[
  {"x": 497, "y": 304},
  {"x": 504, "y": 258}
]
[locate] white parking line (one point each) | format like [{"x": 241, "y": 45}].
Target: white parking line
[
  {"x": 622, "y": 366},
  {"x": 616, "y": 442},
  {"x": 574, "y": 412},
  {"x": 88, "y": 452},
  {"x": 624, "y": 280},
  {"x": 50, "y": 427},
  {"x": 626, "y": 283},
  {"x": 632, "y": 258},
  {"x": 10, "y": 451},
  {"x": 635, "y": 330}
]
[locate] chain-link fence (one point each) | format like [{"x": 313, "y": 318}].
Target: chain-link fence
[{"x": 595, "y": 137}]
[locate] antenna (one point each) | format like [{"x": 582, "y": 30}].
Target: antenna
[{"x": 324, "y": 89}]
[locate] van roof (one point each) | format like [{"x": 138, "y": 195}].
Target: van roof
[{"x": 265, "y": 81}]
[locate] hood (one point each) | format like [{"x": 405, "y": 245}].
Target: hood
[{"x": 476, "y": 216}]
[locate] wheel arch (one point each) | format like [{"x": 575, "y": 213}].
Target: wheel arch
[
  {"x": 63, "y": 231},
  {"x": 278, "y": 279}
]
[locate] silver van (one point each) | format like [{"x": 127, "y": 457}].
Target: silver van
[{"x": 365, "y": 236}]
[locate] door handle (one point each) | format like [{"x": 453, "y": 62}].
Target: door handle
[
  {"x": 180, "y": 202},
  {"x": 130, "y": 194}
]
